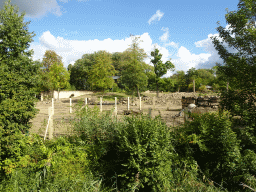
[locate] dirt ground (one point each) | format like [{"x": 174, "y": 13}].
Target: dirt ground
[{"x": 167, "y": 105}]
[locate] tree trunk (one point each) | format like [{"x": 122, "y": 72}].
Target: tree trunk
[
  {"x": 178, "y": 89},
  {"x": 227, "y": 85},
  {"x": 138, "y": 92}
]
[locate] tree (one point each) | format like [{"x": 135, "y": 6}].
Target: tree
[
  {"x": 59, "y": 77},
  {"x": 180, "y": 81},
  {"x": 18, "y": 82},
  {"x": 160, "y": 68},
  {"x": 100, "y": 76},
  {"x": 133, "y": 76},
  {"x": 50, "y": 57},
  {"x": 240, "y": 69},
  {"x": 79, "y": 73}
]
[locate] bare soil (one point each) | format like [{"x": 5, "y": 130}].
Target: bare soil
[{"x": 167, "y": 105}]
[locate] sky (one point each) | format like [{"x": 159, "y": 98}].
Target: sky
[{"x": 181, "y": 30}]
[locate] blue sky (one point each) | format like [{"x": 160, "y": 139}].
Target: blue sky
[{"x": 181, "y": 30}]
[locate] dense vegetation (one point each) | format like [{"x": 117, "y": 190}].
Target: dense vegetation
[{"x": 214, "y": 152}]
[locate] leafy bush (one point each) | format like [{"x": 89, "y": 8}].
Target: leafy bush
[{"x": 210, "y": 140}]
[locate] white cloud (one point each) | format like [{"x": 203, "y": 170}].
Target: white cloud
[
  {"x": 156, "y": 16},
  {"x": 165, "y": 36},
  {"x": 172, "y": 44},
  {"x": 36, "y": 8},
  {"x": 72, "y": 50}
]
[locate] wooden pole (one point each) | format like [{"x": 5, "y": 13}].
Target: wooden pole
[
  {"x": 70, "y": 111},
  {"x": 49, "y": 124},
  {"x": 149, "y": 112},
  {"x": 100, "y": 104},
  {"x": 128, "y": 104},
  {"x": 53, "y": 106},
  {"x": 140, "y": 103},
  {"x": 115, "y": 106},
  {"x": 185, "y": 114}
]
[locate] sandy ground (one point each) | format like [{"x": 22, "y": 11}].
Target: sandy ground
[{"x": 167, "y": 105}]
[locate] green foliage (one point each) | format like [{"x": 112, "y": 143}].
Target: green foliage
[
  {"x": 160, "y": 68},
  {"x": 133, "y": 76},
  {"x": 18, "y": 81},
  {"x": 58, "y": 76},
  {"x": 100, "y": 75},
  {"x": 180, "y": 81},
  {"x": 53, "y": 75},
  {"x": 239, "y": 69},
  {"x": 211, "y": 140}
]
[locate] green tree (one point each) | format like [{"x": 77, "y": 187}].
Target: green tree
[
  {"x": 59, "y": 77},
  {"x": 240, "y": 69},
  {"x": 18, "y": 81},
  {"x": 79, "y": 72},
  {"x": 160, "y": 68},
  {"x": 179, "y": 81},
  {"x": 133, "y": 76},
  {"x": 50, "y": 57},
  {"x": 100, "y": 75}
]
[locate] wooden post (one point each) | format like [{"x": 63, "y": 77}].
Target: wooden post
[
  {"x": 70, "y": 111},
  {"x": 140, "y": 103},
  {"x": 42, "y": 97},
  {"x": 128, "y": 104},
  {"x": 86, "y": 104},
  {"x": 149, "y": 112},
  {"x": 100, "y": 104},
  {"x": 185, "y": 114},
  {"x": 115, "y": 106},
  {"x": 49, "y": 124},
  {"x": 53, "y": 106}
]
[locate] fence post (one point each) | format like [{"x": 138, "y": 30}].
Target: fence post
[
  {"x": 115, "y": 106},
  {"x": 128, "y": 104},
  {"x": 185, "y": 114},
  {"x": 100, "y": 104},
  {"x": 140, "y": 103},
  {"x": 70, "y": 110},
  {"x": 53, "y": 106},
  {"x": 149, "y": 112},
  {"x": 49, "y": 124},
  {"x": 86, "y": 104}
]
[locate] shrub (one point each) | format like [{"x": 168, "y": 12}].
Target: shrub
[{"x": 210, "y": 140}]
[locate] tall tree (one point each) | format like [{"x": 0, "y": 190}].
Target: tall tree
[
  {"x": 59, "y": 77},
  {"x": 50, "y": 57},
  {"x": 160, "y": 67},
  {"x": 18, "y": 81},
  {"x": 240, "y": 68},
  {"x": 180, "y": 80},
  {"x": 100, "y": 75},
  {"x": 133, "y": 75}
]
